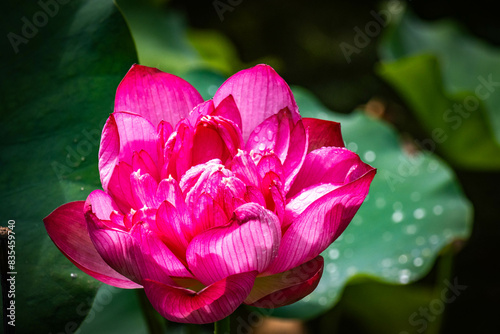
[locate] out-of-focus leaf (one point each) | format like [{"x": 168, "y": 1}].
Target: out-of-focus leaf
[
  {"x": 414, "y": 209},
  {"x": 57, "y": 90},
  {"x": 451, "y": 81},
  {"x": 163, "y": 41},
  {"x": 114, "y": 311}
]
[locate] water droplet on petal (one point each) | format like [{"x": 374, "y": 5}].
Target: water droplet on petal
[
  {"x": 262, "y": 146},
  {"x": 256, "y": 139},
  {"x": 270, "y": 135}
]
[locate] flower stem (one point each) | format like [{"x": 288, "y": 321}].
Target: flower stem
[{"x": 223, "y": 326}]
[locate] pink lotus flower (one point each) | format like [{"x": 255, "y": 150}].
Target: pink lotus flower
[{"x": 211, "y": 204}]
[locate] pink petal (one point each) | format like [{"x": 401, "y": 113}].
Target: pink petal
[
  {"x": 67, "y": 228},
  {"x": 178, "y": 156},
  {"x": 227, "y": 108},
  {"x": 328, "y": 165},
  {"x": 119, "y": 187},
  {"x": 296, "y": 153},
  {"x": 101, "y": 204},
  {"x": 288, "y": 287},
  {"x": 302, "y": 200},
  {"x": 259, "y": 92},
  {"x": 144, "y": 190},
  {"x": 142, "y": 161},
  {"x": 206, "y": 214},
  {"x": 164, "y": 131},
  {"x": 173, "y": 226},
  {"x": 203, "y": 109},
  {"x": 321, "y": 223},
  {"x": 245, "y": 169},
  {"x": 270, "y": 163},
  {"x": 322, "y": 133},
  {"x": 138, "y": 254},
  {"x": 211, "y": 304},
  {"x": 203, "y": 178},
  {"x": 124, "y": 134},
  {"x": 156, "y": 95},
  {"x": 208, "y": 145},
  {"x": 249, "y": 242},
  {"x": 272, "y": 135}
]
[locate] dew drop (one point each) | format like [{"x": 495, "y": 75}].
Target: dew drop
[
  {"x": 270, "y": 135},
  {"x": 349, "y": 238},
  {"x": 419, "y": 213},
  {"x": 262, "y": 146},
  {"x": 397, "y": 217},
  {"x": 415, "y": 196},
  {"x": 411, "y": 229},
  {"x": 352, "y": 146},
  {"x": 331, "y": 268},
  {"x": 380, "y": 203},
  {"x": 404, "y": 276},
  {"x": 334, "y": 254},
  {"x": 370, "y": 156},
  {"x": 432, "y": 167},
  {"x": 256, "y": 139},
  {"x": 418, "y": 262},
  {"x": 402, "y": 259},
  {"x": 434, "y": 239},
  {"x": 420, "y": 241},
  {"x": 321, "y": 189},
  {"x": 351, "y": 270},
  {"x": 357, "y": 220},
  {"x": 438, "y": 210},
  {"x": 426, "y": 252},
  {"x": 73, "y": 275},
  {"x": 82, "y": 188},
  {"x": 386, "y": 262},
  {"x": 211, "y": 90},
  {"x": 397, "y": 206}
]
